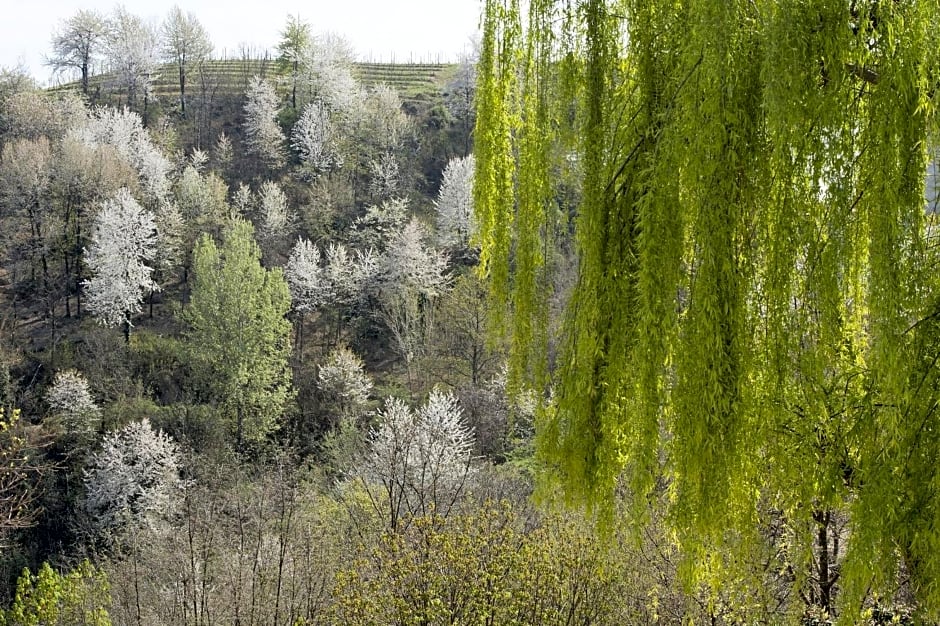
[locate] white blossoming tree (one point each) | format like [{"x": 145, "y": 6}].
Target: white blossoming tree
[
  {"x": 340, "y": 272},
  {"x": 185, "y": 43},
  {"x": 123, "y": 130},
  {"x": 275, "y": 216},
  {"x": 123, "y": 246},
  {"x": 384, "y": 176},
  {"x": 71, "y": 401},
  {"x": 306, "y": 277},
  {"x": 263, "y": 136},
  {"x": 344, "y": 383},
  {"x": 132, "y": 480},
  {"x": 307, "y": 283},
  {"x": 77, "y": 43},
  {"x": 454, "y": 204},
  {"x": 412, "y": 275},
  {"x": 412, "y": 265},
  {"x": 132, "y": 48},
  {"x": 315, "y": 139},
  {"x": 417, "y": 461}
]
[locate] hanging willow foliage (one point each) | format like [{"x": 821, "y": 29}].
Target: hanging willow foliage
[{"x": 755, "y": 317}]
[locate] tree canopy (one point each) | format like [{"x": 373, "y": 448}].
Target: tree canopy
[
  {"x": 753, "y": 324},
  {"x": 239, "y": 335}
]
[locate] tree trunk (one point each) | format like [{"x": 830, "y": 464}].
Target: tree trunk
[
  {"x": 824, "y": 570},
  {"x": 183, "y": 89}
]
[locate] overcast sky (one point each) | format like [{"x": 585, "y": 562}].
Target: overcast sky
[{"x": 378, "y": 29}]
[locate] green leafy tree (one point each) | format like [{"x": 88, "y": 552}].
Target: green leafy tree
[
  {"x": 485, "y": 567},
  {"x": 48, "y": 598},
  {"x": 294, "y": 51},
  {"x": 239, "y": 334},
  {"x": 753, "y": 320}
]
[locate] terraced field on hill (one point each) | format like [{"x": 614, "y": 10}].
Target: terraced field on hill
[
  {"x": 410, "y": 80},
  {"x": 230, "y": 78}
]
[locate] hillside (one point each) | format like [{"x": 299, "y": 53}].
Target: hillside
[{"x": 415, "y": 82}]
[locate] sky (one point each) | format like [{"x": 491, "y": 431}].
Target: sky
[{"x": 380, "y": 30}]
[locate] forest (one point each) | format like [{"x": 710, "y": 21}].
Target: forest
[{"x": 628, "y": 317}]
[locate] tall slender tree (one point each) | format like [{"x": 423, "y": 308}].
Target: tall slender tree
[
  {"x": 263, "y": 136},
  {"x": 131, "y": 47},
  {"x": 186, "y": 44},
  {"x": 294, "y": 52},
  {"x": 120, "y": 257},
  {"x": 239, "y": 333}
]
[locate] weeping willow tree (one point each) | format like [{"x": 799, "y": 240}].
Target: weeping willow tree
[{"x": 756, "y": 319}]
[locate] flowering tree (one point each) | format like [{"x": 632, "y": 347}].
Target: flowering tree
[
  {"x": 350, "y": 276},
  {"x": 411, "y": 265},
  {"x": 305, "y": 277},
  {"x": 314, "y": 137},
  {"x": 411, "y": 274},
  {"x": 454, "y": 204},
  {"x": 385, "y": 176},
  {"x": 123, "y": 130},
  {"x": 384, "y": 123},
  {"x": 123, "y": 243},
  {"x": 131, "y": 46},
  {"x": 263, "y": 136},
  {"x": 307, "y": 282},
  {"x": 185, "y": 43},
  {"x": 276, "y": 218},
  {"x": 418, "y": 461},
  {"x": 70, "y": 400},
  {"x": 76, "y": 44},
  {"x": 328, "y": 76},
  {"x": 344, "y": 382},
  {"x": 133, "y": 480}
]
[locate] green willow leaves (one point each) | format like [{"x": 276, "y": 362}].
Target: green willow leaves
[{"x": 753, "y": 320}]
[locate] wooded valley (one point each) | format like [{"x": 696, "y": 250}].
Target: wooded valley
[{"x": 629, "y": 317}]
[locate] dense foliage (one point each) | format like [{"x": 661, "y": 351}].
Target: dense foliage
[
  {"x": 751, "y": 329},
  {"x": 702, "y": 227}
]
